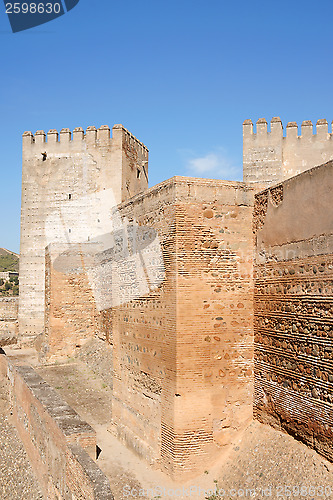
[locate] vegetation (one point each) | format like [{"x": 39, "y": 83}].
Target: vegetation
[
  {"x": 215, "y": 496},
  {"x": 9, "y": 288},
  {"x": 9, "y": 261}
]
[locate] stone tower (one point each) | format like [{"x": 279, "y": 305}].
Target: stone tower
[
  {"x": 269, "y": 157},
  {"x": 58, "y": 177}
]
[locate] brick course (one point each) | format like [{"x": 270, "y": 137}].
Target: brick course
[{"x": 294, "y": 308}]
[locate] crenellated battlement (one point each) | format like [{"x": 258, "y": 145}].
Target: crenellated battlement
[
  {"x": 291, "y": 129},
  {"x": 129, "y": 136},
  {"x": 275, "y": 154},
  {"x": 101, "y": 136}
]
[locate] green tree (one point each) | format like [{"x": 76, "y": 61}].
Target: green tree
[
  {"x": 1, "y": 282},
  {"x": 15, "y": 290},
  {"x": 8, "y": 285}
]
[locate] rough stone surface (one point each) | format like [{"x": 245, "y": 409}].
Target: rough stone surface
[
  {"x": 71, "y": 316},
  {"x": 271, "y": 461},
  {"x": 98, "y": 356},
  {"x": 294, "y": 307}
]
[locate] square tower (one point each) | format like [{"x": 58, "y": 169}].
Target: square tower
[
  {"x": 269, "y": 157},
  {"x": 60, "y": 177}
]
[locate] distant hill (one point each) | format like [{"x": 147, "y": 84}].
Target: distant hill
[{"x": 9, "y": 261}]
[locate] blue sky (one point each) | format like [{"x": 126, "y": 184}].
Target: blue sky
[{"x": 180, "y": 75}]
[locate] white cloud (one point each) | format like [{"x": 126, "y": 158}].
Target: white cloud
[{"x": 214, "y": 165}]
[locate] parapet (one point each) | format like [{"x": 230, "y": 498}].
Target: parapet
[
  {"x": 290, "y": 131},
  {"x": 129, "y": 136},
  {"x": 100, "y": 136}
]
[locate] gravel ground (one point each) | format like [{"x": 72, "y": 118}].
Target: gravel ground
[
  {"x": 17, "y": 481},
  {"x": 270, "y": 463}
]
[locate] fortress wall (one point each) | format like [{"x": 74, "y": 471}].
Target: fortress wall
[
  {"x": 60, "y": 181},
  {"x": 269, "y": 157},
  {"x": 135, "y": 157},
  {"x": 294, "y": 307},
  {"x": 71, "y": 317},
  {"x": 8, "y": 308},
  {"x": 58, "y": 443},
  {"x": 8, "y": 319},
  {"x": 144, "y": 333},
  {"x": 183, "y": 353}
]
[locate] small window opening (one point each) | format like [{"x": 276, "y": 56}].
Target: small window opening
[
  {"x": 69, "y": 230},
  {"x": 98, "y": 451},
  {"x": 138, "y": 173},
  {"x": 69, "y": 196}
]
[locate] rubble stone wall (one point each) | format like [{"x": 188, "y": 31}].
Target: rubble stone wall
[{"x": 294, "y": 307}]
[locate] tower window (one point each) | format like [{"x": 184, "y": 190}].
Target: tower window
[
  {"x": 69, "y": 230},
  {"x": 138, "y": 173},
  {"x": 69, "y": 196}
]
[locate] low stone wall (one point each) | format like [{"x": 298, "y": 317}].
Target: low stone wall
[
  {"x": 59, "y": 444},
  {"x": 294, "y": 307},
  {"x": 8, "y": 320}
]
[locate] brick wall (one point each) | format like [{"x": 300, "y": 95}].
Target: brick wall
[
  {"x": 294, "y": 307},
  {"x": 183, "y": 353},
  {"x": 71, "y": 317}
]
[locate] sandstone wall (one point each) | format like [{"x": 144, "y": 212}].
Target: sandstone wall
[
  {"x": 62, "y": 184},
  {"x": 183, "y": 353},
  {"x": 294, "y": 307},
  {"x": 269, "y": 158},
  {"x": 71, "y": 317},
  {"x": 8, "y": 319}
]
